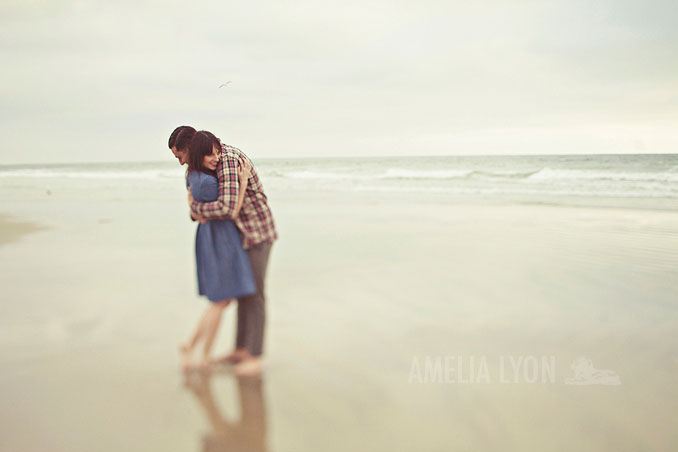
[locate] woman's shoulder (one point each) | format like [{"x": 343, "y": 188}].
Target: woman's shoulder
[
  {"x": 198, "y": 178},
  {"x": 193, "y": 178}
]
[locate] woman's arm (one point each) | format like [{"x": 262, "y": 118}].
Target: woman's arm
[{"x": 244, "y": 173}]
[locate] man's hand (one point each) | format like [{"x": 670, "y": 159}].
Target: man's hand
[
  {"x": 195, "y": 217},
  {"x": 244, "y": 171}
]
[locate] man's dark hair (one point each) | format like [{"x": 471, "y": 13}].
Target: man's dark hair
[
  {"x": 173, "y": 138},
  {"x": 184, "y": 138}
]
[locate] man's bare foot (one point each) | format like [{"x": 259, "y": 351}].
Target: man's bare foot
[
  {"x": 248, "y": 367},
  {"x": 237, "y": 355}
]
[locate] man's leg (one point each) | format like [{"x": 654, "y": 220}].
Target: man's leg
[
  {"x": 240, "y": 332},
  {"x": 255, "y": 317},
  {"x": 240, "y": 352},
  {"x": 255, "y": 305},
  {"x": 251, "y": 309}
]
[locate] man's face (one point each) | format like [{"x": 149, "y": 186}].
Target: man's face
[{"x": 180, "y": 155}]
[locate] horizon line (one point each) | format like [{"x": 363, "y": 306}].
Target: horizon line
[{"x": 329, "y": 157}]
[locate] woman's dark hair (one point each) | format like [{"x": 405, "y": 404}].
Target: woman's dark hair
[
  {"x": 173, "y": 138},
  {"x": 201, "y": 145},
  {"x": 184, "y": 138}
]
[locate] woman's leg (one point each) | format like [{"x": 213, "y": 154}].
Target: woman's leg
[
  {"x": 212, "y": 326},
  {"x": 187, "y": 347},
  {"x": 199, "y": 331}
]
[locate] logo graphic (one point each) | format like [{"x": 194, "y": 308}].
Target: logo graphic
[{"x": 586, "y": 374}]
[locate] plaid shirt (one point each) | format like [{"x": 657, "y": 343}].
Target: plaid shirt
[{"x": 255, "y": 220}]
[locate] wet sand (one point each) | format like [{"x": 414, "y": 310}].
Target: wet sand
[
  {"x": 12, "y": 230},
  {"x": 360, "y": 288}
]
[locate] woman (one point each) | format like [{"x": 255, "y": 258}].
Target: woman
[{"x": 224, "y": 271}]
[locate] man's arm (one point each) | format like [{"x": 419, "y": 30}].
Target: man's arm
[{"x": 224, "y": 208}]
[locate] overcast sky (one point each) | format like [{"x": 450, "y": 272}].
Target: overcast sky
[{"x": 83, "y": 81}]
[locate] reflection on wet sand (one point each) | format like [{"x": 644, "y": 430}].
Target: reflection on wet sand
[
  {"x": 247, "y": 433},
  {"x": 12, "y": 230}
]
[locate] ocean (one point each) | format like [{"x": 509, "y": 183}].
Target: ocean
[{"x": 634, "y": 181}]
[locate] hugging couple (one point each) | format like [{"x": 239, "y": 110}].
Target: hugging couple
[{"x": 232, "y": 246}]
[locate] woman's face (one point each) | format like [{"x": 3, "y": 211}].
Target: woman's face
[{"x": 210, "y": 161}]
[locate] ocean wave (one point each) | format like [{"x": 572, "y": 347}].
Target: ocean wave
[
  {"x": 530, "y": 175},
  {"x": 559, "y": 174},
  {"x": 519, "y": 190},
  {"x": 271, "y": 173},
  {"x": 506, "y": 174},
  {"x": 74, "y": 174},
  {"x": 407, "y": 174},
  {"x": 320, "y": 175},
  {"x": 400, "y": 173}
]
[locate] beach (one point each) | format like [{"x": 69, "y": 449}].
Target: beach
[{"x": 371, "y": 294}]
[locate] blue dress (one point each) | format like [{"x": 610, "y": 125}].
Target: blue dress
[{"x": 224, "y": 269}]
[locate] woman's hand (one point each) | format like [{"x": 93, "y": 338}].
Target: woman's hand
[{"x": 244, "y": 171}]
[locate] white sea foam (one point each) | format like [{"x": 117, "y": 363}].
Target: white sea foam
[
  {"x": 635, "y": 176},
  {"x": 401, "y": 173},
  {"x": 512, "y": 191},
  {"x": 549, "y": 173},
  {"x": 47, "y": 173},
  {"x": 319, "y": 175}
]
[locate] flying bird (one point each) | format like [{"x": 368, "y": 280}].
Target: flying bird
[{"x": 224, "y": 84}]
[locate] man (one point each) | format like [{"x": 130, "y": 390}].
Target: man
[
  {"x": 183, "y": 154},
  {"x": 257, "y": 228}
]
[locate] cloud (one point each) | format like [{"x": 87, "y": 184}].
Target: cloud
[{"x": 109, "y": 82}]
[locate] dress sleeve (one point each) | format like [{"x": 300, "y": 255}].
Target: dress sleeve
[{"x": 208, "y": 187}]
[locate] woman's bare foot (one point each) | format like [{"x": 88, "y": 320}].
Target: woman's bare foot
[
  {"x": 185, "y": 351},
  {"x": 237, "y": 355},
  {"x": 204, "y": 363},
  {"x": 196, "y": 382},
  {"x": 248, "y": 367}
]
